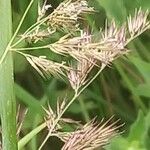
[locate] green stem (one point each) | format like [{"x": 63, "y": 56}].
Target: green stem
[
  {"x": 16, "y": 32},
  {"x": 21, "y": 21},
  {"x": 7, "y": 100},
  {"x": 29, "y": 48},
  {"x": 29, "y": 136}
]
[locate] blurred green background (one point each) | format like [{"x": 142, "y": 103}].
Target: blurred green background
[{"x": 122, "y": 90}]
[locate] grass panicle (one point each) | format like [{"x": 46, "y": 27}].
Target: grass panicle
[{"x": 87, "y": 50}]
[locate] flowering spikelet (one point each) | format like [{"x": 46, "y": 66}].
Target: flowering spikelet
[
  {"x": 105, "y": 49},
  {"x": 75, "y": 46},
  {"x": 40, "y": 31},
  {"x": 114, "y": 37},
  {"x": 77, "y": 76},
  {"x": 90, "y": 136},
  {"x": 38, "y": 35},
  {"x": 51, "y": 116},
  {"x": 67, "y": 14},
  {"x": 45, "y": 66},
  {"x": 138, "y": 23}
]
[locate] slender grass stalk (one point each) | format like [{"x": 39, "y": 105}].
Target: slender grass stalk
[
  {"x": 29, "y": 136},
  {"x": 7, "y": 100},
  {"x": 30, "y": 48},
  {"x": 16, "y": 32}
]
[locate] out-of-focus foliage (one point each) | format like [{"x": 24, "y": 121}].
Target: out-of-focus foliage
[
  {"x": 123, "y": 89},
  {"x": 137, "y": 138}
]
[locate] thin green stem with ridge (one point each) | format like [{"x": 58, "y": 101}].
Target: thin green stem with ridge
[{"x": 7, "y": 99}]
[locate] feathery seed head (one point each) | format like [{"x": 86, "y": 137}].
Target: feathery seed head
[
  {"x": 45, "y": 66},
  {"x": 78, "y": 76},
  {"x": 67, "y": 14},
  {"x": 90, "y": 136},
  {"x": 138, "y": 23},
  {"x": 38, "y": 35}
]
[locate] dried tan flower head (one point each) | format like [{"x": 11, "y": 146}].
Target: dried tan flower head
[
  {"x": 106, "y": 49},
  {"x": 38, "y": 35},
  {"x": 74, "y": 46},
  {"x": 77, "y": 76},
  {"x": 67, "y": 14},
  {"x": 90, "y": 136},
  {"x": 46, "y": 67},
  {"x": 51, "y": 116},
  {"x": 111, "y": 42},
  {"x": 138, "y": 23},
  {"x": 113, "y": 37}
]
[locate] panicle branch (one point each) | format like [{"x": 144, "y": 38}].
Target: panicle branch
[
  {"x": 87, "y": 50},
  {"x": 77, "y": 76}
]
